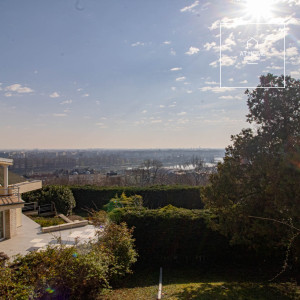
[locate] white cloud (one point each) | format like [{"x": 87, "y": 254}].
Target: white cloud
[
  {"x": 228, "y": 60},
  {"x": 167, "y": 42},
  {"x": 85, "y": 95},
  {"x": 8, "y": 94},
  {"x": 172, "y": 52},
  {"x": 192, "y": 51},
  {"x": 156, "y": 121},
  {"x": 190, "y": 8},
  {"x": 215, "y": 89},
  {"x": 229, "y": 97},
  {"x": 66, "y": 102},
  {"x": 144, "y": 111},
  {"x": 210, "y": 82},
  {"x": 161, "y": 106},
  {"x": 180, "y": 78},
  {"x": 183, "y": 113},
  {"x": 173, "y": 88},
  {"x": 189, "y": 91},
  {"x": 175, "y": 69},
  {"x": 214, "y": 64},
  {"x": 18, "y": 88},
  {"x": 79, "y": 90},
  {"x": 59, "y": 115},
  {"x": 293, "y": 51},
  {"x": 137, "y": 44},
  {"x": 54, "y": 95},
  {"x": 295, "y": 74},
  {"x": 97, "y": 102},
  {"x": 231, "y": 79},
  {"x": 212, "y": 45},
  {"x": 244, "y": 81}
]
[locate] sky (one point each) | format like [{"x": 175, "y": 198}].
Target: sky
[{"x": 137, "y": 73}]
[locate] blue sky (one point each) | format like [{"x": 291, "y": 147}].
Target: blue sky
[{"x": 135, "y": 73}]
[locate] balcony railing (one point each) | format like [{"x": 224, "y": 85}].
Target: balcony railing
[{"x": 10, "y": 191}]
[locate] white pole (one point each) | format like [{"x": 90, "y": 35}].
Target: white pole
[
  {"x": 5, "y": 171},
  {"x": 160, "y": 284}
]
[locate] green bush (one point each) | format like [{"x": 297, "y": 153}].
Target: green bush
[
  {"x": 61, "y": 196},
  {"x": 172, "y": 234},
  {"x": 80, "y": 272},
  {"x": 153, "y": 197},
  {"x": 124, "y": 201}
]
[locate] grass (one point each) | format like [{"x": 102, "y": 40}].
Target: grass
[
  {"x": 205, "y": 285},
  {"x": 47, "y": 221}
]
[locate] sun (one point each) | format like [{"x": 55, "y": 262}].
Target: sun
[{"x": 259, "y": 9}]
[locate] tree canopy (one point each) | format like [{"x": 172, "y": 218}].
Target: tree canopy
[{"x": 260, "y": 175}]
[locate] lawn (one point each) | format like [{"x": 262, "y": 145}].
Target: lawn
[
  {"x": 199, "y": 284},
  {"x": 48, "y": 221}
]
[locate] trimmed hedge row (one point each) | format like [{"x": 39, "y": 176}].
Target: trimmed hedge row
[
  {"x": 172, "y": 234},
  {"x": 153, "y": 197}
]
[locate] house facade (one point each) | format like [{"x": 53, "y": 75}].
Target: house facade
[{"x": 11, "y": 202}]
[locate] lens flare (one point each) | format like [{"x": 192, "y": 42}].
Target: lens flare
[{"x": 260, "y": 9}]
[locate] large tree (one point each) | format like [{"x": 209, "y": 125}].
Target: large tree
[{"x": 260, "y": 175}]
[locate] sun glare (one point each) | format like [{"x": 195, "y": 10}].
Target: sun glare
[{"x": 259, "y": 9}]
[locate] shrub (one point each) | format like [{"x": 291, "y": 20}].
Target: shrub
[
  {"x": 124, "y": 201},
  {"x": 172, "y": 234},
  {"x": 61, "y": 196},
  {"x": 153, "y": 197},
  {"x": 80, "y": 272}
]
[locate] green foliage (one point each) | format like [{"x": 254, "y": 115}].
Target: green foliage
[
  {"x": 118, "y": 240},
  {"x": 79, "y": 272},
  {"x": 172, "y": 234},
  {"x": 124, "y": 201},
  {"x": 61, "y": 196},
  {"x": 153, "y": 197},
  {"x": 11, "y": 287},
  {"x": 260, "y": 174},
  {"x": 46, "y": 222}
]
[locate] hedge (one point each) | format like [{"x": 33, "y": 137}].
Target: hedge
[
  {"x": 173, "y": 234},
  {"x": 153, "y": 197}
]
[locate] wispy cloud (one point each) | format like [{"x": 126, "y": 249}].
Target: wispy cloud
[
  {"x": 86, "y": 95},
  {"x": 54, "y": 95},
  {"x": 229, "y": 97},
  {"x": 167, "y": 42},
  {"x": 137, "y": 44},
  {"x": 190, "y": 7},
  {"x": 215, "y": 89},
  {"x": 183, "y": 113},
  {"x": 18, "y": 88},
  {"x": 192, "y": 51},
  {"x": 172, "y": 52},
  {"x": 66, "y": 102},
  {"x": 180, "y": 78},
  {"x": 59, "y": 115},
  {"x": 175, "y": 69}
]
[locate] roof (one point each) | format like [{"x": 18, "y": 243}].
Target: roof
[
  {"x": 6, "y": 161},
  {"x": 10, "y": 200}
]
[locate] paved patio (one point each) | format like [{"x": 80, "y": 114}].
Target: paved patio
[{"x": 29, "y": 237}]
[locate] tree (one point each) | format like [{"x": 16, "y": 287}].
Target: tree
[
  {"x": 260, "y": 175},
  {"x": 62, "y": 197}
]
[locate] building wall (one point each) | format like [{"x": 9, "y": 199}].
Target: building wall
[{"x": 10, "y": 221}]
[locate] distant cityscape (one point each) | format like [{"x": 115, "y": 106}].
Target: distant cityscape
[{"x": 116, "y": 167}]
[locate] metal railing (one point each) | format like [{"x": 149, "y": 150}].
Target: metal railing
[
  {"x": 10, "y": 191},
  {"x": 30, "y": 206}
]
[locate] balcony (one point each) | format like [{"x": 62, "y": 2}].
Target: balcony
[{"x": 10, "y": 196}]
